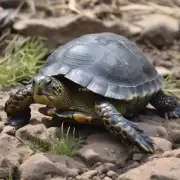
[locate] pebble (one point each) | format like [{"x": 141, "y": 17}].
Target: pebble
[
  {"x": 96, "y": 178},
  {"x": 1, "y": 126},
  {"x": 107, "y": 178},
  {"x": 10, "y": 130},
  {"x": 87, "y": 175},
  {"x": 105, "y": 167},
  {"x": 111, "y": 173},
  {"x": 70, "y": 178},
  {"x": 138, "y": 156}
]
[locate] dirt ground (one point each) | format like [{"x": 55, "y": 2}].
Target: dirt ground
[
  {"x": 159, "y": 41},
  {"x": 153, "y": 25}
]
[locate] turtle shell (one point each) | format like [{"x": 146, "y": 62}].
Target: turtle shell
[{"x": 107, "y": 64}]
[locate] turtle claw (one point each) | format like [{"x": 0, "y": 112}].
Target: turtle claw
[
  {"x": 173, "y": 114},
  {"x": 18, "y": 122},
  {"x": 141, "y": 139},
  {"x": 123, "y": 129}
]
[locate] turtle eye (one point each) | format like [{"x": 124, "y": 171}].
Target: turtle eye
[{"x": 48, "y": 82}]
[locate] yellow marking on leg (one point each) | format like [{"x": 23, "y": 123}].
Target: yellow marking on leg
[{"x": 82, "y": 118}]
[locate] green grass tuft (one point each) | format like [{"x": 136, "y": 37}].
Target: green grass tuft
[
  {"x": 172, "y": 86},
  {"x": 22, "y": 59},
  {"x": 67, "y": 144},
  {"x": 9, "y": 175}
]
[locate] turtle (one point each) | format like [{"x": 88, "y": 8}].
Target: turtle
[{"x": 98, "y": 77}]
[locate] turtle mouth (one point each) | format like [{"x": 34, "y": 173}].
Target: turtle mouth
[
  {"x": 42, "y": 98},
  {"x": 40, "y": 92}
]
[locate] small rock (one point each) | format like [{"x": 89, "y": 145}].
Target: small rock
[
  {"x": 96, "y": 178},
  {"x": 69, "y": 178},
  {"x": 107, "y": 178},
  {"x": 1, "y": 126},
  {"x": 12, "y": 153},
  {"x": 111, "y": 174},
  {"x": 105, "y": 167},
  {"x": 177, "y": 2},
  {"x": 10, "y": 146},
  {"x": 139, "y": 156},
  {"x": 154, "y": 131},
  {"x": 38, "y": 131},
  {"x": 102, "y": 176},
  {"x": 160, "y": 168},
  {"x": 173, "y": 128},
  {"x": 10, "y": 130},
  {"x": 83, "y": 170},
  {"x": 61, "y": 28},
  {"x": 174, "y": 153},
  {"x": 168, "y": 154},
  {"x": 78, "y": 177},
  {"x": 96, "y": 165},
  {"x": 40, "y": 165},
  {"x": 163, "y": 71},
  {"x": 159, "y": 29},
  {"x": 162, "y": 144},
  {"x": 87, "y": 175},
  {"x": 133, "y": 165},
  {"x": 29, "y": 132},
  {"x": 103, "y": 148},
  {"x": 54, "y": 132}
]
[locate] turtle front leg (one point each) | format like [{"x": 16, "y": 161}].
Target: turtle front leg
[
  {"x": 166, "y": 106},
  {"x": 122, "y": 128},
  {"x": 17, "y": 107},
  {"x": 70, "y": 116}
]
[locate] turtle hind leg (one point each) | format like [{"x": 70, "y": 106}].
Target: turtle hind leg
[
  {"x": 122, "y": 128},
  {"x": 17, "y": 107},
  {"x": 166, "y": 106}
]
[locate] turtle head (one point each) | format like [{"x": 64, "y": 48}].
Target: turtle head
[
  {"x": 45, "y": 85},
  {"x": 47, "y": 90}
]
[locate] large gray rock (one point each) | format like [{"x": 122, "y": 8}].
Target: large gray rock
[
  {"x": 152, "y": 130},
  {"x": 30, "y": 131},
  {"x": 103, "y": 148},
  {"x": 9, "y": 130},
  {"x": 162, "y": 144},
  {"x": 12, "y": 153},
  {"x": 165, "y": 167},
  {"x": 40, "y": 166},
  {"x": 60, "y": 30},
  {"x": 37, "y": 131},
  {"x": 159, "y": 29}
]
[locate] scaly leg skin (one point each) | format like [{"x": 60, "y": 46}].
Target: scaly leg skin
[
  {"x": 80, "y": 117},
  {"x": 166, "y": 106},
  {"x": 122, "y": 128},
  {"x": 17, "y": 107}
]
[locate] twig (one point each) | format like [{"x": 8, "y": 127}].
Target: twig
[
  {"x": 173, "y": 11},
  {"x": 32, "y": 6},
  {"x": 71, "y": 7},
  {"x": 14, "y": 14},
  {"x": 151, "y": 7}
]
